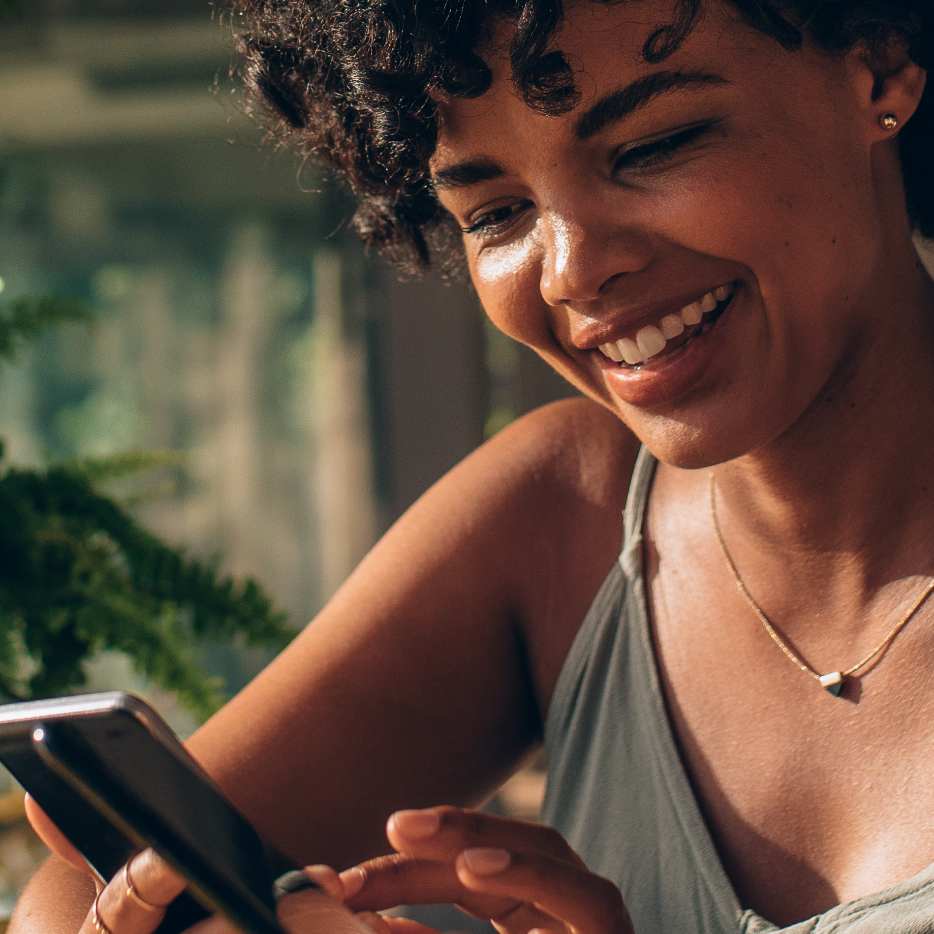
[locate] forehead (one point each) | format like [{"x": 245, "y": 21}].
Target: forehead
[{"x": 604, "y": 45}]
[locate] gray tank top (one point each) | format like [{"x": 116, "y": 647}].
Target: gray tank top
[{"x": 618, "y": 791}]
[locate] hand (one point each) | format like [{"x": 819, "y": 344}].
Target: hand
[
  {"x": 311, "y": 911},
  {"x": 522, "y": 877},
  {"x": 134, "y": 901},
  {"x": 154, "y": 884}
]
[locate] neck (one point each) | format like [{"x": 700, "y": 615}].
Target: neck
[{"x": 850, "y": 481}]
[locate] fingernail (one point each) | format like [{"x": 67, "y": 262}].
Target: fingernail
[
  {"x": 416, "y": 824},
  {"x": 485, "y": 861},
  {"x": 353, "y": 881}
]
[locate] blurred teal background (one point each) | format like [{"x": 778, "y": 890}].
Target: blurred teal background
[{"x": 312, "y": 393}]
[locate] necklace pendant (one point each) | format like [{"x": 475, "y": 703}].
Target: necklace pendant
[{"x": 832, "y": 682}]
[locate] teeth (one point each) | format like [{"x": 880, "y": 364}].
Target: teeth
[
  {"x": 630, "y": 351},
  {"x": 650, "y": 340},
  {"x": 691, "y": 314},
  {"x": 671, "y": 326}
]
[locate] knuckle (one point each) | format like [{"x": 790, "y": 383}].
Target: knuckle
[
  {"x": 554, "y": 838},
  {"x": 473, "y": 823},
  {"x": 453, "y": 819},
  {"x": 393, "y": 865},
  {"x": 611, "y": 899},
  {"x": 556, "y": 843}
]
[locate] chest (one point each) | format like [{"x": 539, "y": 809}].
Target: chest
[{"x": 811, "y": 800}]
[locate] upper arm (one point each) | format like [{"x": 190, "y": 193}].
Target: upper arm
[{"x": 419, "y": 684}]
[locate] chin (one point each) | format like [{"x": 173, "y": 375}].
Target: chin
[{"x": 696, "y": 446}]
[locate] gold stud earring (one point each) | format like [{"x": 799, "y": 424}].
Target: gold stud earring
[{"x": 888, "y": 121}]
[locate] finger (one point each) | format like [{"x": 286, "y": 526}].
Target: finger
[
  {"x": 441, "y": 833},
  {"x": 405, "y": 880},
  {"x": 152, "y": 879},
  {"x": 581, "y": 899},
  {"x": 352, "y": 881},
  {"x": 375, "y": 922},
  {"x": 406, "y": 926},
  {"x": 328, "y": 879},
  {"x": 53, "y": 838},
  {"x": 134, "y": 901},
  {"x": 216, "y": 924},
  {"x": 313, "y": 910}
]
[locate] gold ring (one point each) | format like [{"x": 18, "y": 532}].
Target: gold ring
[
  {"x": 133, "y": 894},
  {"x": 99, "y": 925}
]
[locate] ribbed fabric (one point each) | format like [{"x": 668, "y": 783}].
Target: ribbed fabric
[{"x": 618, "y": 791}]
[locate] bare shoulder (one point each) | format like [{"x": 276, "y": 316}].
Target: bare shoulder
[
  {"x": 565, "y": 470},
  {"x": 577, "y": 445},
  {"x": 567, "y": 467}
]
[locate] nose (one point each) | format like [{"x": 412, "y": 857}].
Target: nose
[{"x": 586, "y": 249}]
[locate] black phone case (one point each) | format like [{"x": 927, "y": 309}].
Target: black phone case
[
  {"x": 104, "y": 846},
  {"x": 61, "y": 761}
]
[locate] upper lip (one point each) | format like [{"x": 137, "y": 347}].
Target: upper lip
[{"x": 610, "y": 324}]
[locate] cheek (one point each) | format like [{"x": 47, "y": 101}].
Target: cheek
[
  {"x": 507, "y": 281},
  {"x": 798, "y": 222}
]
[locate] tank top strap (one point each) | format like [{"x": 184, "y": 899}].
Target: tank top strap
[{"x": 630, "y": 557}]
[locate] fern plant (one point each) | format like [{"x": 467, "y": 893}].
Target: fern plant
[{"x": 80, "y": 575}]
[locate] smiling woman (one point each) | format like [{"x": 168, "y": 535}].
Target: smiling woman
[{"x": 702, "y": 215}]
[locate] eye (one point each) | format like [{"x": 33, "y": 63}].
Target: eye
[
  {"x": 659, "y": 151},
  {"x": 494, "y": 221}
]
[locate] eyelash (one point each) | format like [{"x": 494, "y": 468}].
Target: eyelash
[
  {"x": 483, "y": 224},
  {"x": 646, "y": 156},
  {"x": 659, "y": 151}
]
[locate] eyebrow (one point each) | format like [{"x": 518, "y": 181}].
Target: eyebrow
[
  {"x": 608, "y": 109},
  {"x": 621, "y": 103},
  {"x": 464, "y": 174}
]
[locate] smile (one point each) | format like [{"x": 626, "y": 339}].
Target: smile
[{"x": 672, "y": 333}]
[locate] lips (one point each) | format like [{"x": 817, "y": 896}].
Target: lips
[{"x": 670, "y": 333}]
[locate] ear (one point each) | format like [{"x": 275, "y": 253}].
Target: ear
[{"x": 889, "y": 84}]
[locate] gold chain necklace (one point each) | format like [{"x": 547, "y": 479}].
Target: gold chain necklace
[{"x": 833, "y": 681}]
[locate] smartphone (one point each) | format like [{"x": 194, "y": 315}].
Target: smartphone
[{"x": 114, "y": 778}]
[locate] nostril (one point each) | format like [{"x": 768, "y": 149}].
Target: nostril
[{"x": 588, "y": 268}]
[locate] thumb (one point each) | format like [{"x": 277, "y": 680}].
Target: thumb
[{"x": 315, "y": 910}]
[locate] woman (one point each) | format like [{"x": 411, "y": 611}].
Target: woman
[{"x": 702, "y": 217}]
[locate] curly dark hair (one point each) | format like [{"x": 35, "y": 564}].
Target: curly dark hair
[{"x": 351, "y": 81}]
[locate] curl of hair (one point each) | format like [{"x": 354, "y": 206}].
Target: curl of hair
[{"x": 354, "y": 83}]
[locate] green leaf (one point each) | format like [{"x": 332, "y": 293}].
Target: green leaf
[
  {"x": 79, "y": 575},
  {"x": 123, "y": 464},
  {"x": 26, "y": 318}
]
